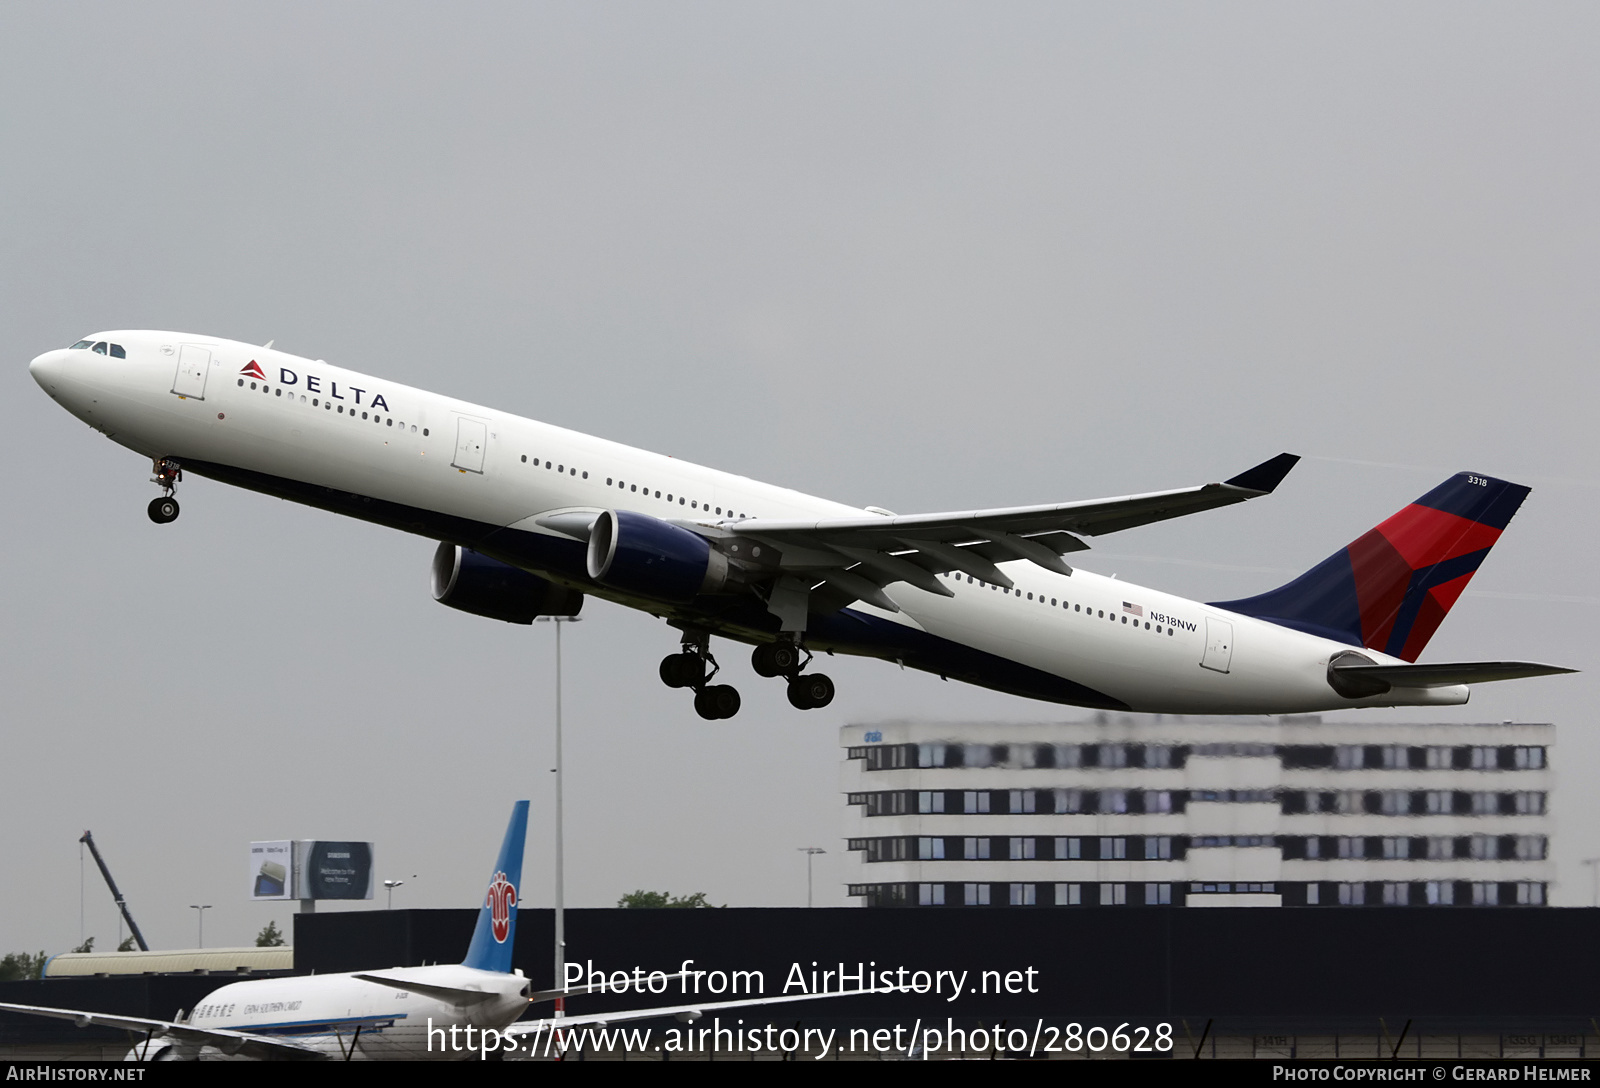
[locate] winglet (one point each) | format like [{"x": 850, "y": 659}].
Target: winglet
[{"x": 1266, "y": 476}]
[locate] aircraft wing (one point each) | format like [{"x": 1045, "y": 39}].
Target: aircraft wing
[
  {"x": 683, "y": 1012},
  {"x": 229, "y": 1042},
  {"x": 857, "y": 556}
]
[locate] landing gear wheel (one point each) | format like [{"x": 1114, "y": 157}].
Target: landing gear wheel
[
  {"x": 811, "y": 692},
  {"x": 717, "y": 701},
  {"x": 163, "y": 510},
  {"x": 775, "y": 658},
  {"x": 679, "y": 670}
]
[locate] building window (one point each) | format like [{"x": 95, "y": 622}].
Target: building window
[
  {"x": 1023, "y": 848},
  {"x": 1396, "y": 848},
  {"x": 1114, "y": 895},
  {"x": 975, "y": 849},
  {"x": 930, "y": 849},
  {"x": 1352, "y": 847},
  {"x": 1352, "y": 895},
  {"x": 1438, "y": 802},
  {"x": 1157, "y": 756},
  {"x": 1158, "y": 801},
  {"x": 1069, "y": 895},
  {"x": 1396, "y": 757},
  {"x": 930, "y": 895},
  {"x": 1437, "y": 758},
  {"x": 1440, "y": 893},
  {"x": 1528, "y": 759},
  {"x": 977, "y": 755},
  {"x": 1349, "y": 757},
  {"x": 930, "y": 755},
  {"x": 1068, "y": 849},
  {"x": 1022, "y": 801},
  {"x": 1395, "y": 802},
  {"x": 1529, "y": 804},
  {"x": 1158, "y": 847},
  {"x": 1068, "y": 755},
  {"x": 1485, "y": 758},
  {"x": 1485, "y": 894},
  {"x": 1441, "y": 848},
  {"x": 1313, "y": 847},
  {"x": 975, "y": 801},
  {"x": 930, "y": 801},
  {"x": 975, "y": 895},
  {"x": 1158, "y": 895},
  {"x": 1069, "y": 801},
  {"x": 1348, "y": 802},
  {"x": 1113, "y": 800},
  {"x": 1485, "y": 803},
  {"x": 1113, "y": 849},
  {"x": 1396, "y": 895},
  {"x": 1530, "y": 895},
  {"x": 1113, "y": 755},
  {"x": 1024, "y": 895},
  {"x": 1530, "y": 847}
]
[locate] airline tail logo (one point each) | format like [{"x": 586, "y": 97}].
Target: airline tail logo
[
  {"x": 253, "y": 370},
  {"x": 502, "y": 897}
]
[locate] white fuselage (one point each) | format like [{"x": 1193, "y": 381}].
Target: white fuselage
[
  {"x": 323, "y": 1012},
  {"x": 450, "y": 470}
]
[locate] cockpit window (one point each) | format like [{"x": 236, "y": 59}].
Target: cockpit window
[
  {"x": 100, "y": 348},
  {"x": 81, "y": 344},
  {"x": 117, "y": 352}
]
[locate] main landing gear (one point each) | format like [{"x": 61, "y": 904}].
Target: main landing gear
[
  {"x": 167, "y": 474},
  {"x": 688, "y": 669},
  {"x": 784, "y": 658}
]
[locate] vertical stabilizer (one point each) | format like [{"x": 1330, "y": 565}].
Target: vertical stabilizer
[
  {"x": 497, "y": 918},
  {"x": 1390, "y": 589}
]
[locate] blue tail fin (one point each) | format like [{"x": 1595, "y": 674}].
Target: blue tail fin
[{"x": 497, "y": 920}]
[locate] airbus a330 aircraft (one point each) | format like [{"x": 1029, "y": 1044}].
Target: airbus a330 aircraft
[
  {"x": 402, "y": 1013},
  {"x": 531, "y": 517}
]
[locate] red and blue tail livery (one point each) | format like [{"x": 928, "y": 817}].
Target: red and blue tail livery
[
  {"x": 1390, "y": 589},
  {"x": 497, "y": 919}
]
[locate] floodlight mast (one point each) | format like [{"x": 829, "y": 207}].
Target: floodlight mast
[{"x": 122, "y": 904}]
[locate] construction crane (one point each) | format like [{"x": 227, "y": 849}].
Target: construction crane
[{"x": 122, "y": 904}]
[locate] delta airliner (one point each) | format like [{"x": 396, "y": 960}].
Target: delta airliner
[{"x": 531, "y": 518}]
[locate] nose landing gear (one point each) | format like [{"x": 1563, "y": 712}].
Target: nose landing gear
[
  {"x": 784, "y": 658},
  {"x": 167, "y": 474},
  {"x": 688, "y": 670}
]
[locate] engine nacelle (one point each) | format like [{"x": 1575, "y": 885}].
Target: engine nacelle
[
  {"x": 640, "y": 554},
  {"x": 487, "y": 587}
]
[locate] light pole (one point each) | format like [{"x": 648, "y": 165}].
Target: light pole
[
  {"x": 1594, "y": 868},
  {"x": 200, "y": 918},
  {"x": 810, "y": 852},
  {"x": 561, "y": 928},
  {"x": 391, "y": 885}
]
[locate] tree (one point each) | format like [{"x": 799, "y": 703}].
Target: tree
[
  {"x": 270, "y": 936},
  {"x": 86, "y": 946},
  {"x": 127, "y": 945},
  {"x": 15, "y": 965},
  {"x": 642, "y": 898}
]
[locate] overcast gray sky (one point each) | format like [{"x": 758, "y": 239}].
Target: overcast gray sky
[{"x": 916, "y": 255}]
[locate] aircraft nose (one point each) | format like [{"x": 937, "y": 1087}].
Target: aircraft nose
[{"x": 46, "y": 369}]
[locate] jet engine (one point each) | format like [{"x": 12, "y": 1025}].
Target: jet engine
[
  {"x": 640, "y": 554},
  {"x": 487, "y": 587}
]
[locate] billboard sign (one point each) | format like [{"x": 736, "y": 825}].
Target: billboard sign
[
  {"x": 271, "y": 870},
  {"x": 333, "y": 870}
]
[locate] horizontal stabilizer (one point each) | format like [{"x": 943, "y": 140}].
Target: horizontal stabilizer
[{"x": 1449, "y": 673}]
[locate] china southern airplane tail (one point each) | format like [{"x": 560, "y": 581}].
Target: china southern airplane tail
[
  {"x": 1390, "y": 589},
  {"x": 497, "y": 918}
]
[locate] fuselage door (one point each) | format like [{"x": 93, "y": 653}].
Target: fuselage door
[
  {"x": 471, "y": 437},
  {"x": 1219, "y": 645},
  {"x": 193, "y": 364}
]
